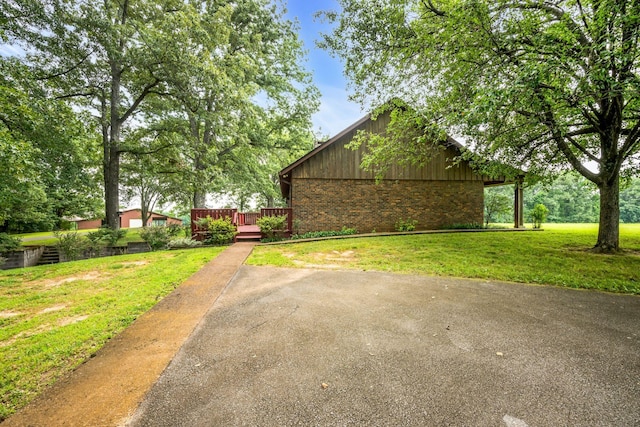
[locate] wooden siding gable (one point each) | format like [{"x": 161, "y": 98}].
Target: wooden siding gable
[{"x": 332, "y": 160}]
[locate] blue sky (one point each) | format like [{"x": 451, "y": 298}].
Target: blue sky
[{"x": 336, "y": 111}]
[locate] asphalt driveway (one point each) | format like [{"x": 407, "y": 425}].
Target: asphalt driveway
[{"x": 286, "y": 347}]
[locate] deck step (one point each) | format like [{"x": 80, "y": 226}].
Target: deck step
[{"x": 248, "y": 236}]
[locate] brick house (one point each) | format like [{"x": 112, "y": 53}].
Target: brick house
[
  {"x": 327, "y": 189},
  {"x": 131, "y": 218}
]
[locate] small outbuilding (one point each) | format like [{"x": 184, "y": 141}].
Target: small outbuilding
[
  {"x": 327, "y": 189},
  {"x": 131, "y": 218}
]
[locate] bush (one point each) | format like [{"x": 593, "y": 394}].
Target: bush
[
  {"x": 70, "y": 245},
  {"x": 319, "y": 234},
  {"x": 539, "y": 215},
  {"x": 183, "y": 242},
  {"x": 217, "y": 231},
  {"x": 157, "y": 236},
  {"x": 220, "y": 231},
  {"x": 176, "y": 229},
  {"x": 464, "y": 226},
  {"x": 405, "y": 225},
  {"x": 107, "y": 235},
  {"x": 272, "y": 226},
  {"x": 8, "y": 243}
]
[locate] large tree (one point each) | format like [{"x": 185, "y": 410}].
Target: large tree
[
  {"x": 540, "y": 85},
  {"x": 109, "y": 57},
  {"x": 249, "y": 98}
]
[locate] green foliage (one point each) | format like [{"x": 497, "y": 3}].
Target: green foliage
[
  {"x": 539, "y": 215},
  {"x": 630, "y": 202},
  {"x": 157, "y": 236},
  {"x": 47, "y": 172},
  {"x": 176, "y": 229},
  {"x": 183, "y": 242},
  {"x": 71, "y": 245},
  {"x": 8, "y": 243},
  {"x": 405, "y": 225},
  {"x": 464, "y": 226},
  {"x": 272, "y": 226},
  {"x": 106, "y": 235},
  {"x": 569, "y": 198},
  {"x": 498, "y": 204},
  {"x": 218, "y": 231},
  {"x": 319, "y": 234},
  {"x": 531, "y": 86}
]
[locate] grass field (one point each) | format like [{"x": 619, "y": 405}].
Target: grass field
[
  {"x": 558, "y": 256},
  {"x": 46, "y": 238},
  {"x": 52, "y": 318}
]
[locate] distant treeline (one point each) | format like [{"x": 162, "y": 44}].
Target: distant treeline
[{"x": 570, "y": 198}]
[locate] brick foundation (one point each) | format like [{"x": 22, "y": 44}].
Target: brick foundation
[{"x": 323, "y": 204}]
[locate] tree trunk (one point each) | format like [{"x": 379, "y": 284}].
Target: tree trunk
[
  {"x": 112, "y": 152},
  {"x": 199, "y": 199},
  {"x": 609, "y": 228},
  {"x": 111, "y": 189}
]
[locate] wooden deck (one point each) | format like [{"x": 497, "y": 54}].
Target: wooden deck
[{"x": 244, "y": 221}]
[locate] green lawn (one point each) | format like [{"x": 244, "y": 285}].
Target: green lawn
[
  {"x": 52, "y": 318},
  {"x": 46, "y": 238},
  {"x": 558, "y": 256}
]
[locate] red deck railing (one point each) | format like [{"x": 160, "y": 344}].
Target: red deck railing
[
  {"x": 196, "y": 214},
  {"x": 280, "y": 212}
]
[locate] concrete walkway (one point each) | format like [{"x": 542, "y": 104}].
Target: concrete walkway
[{"x": 107, "y": 389}]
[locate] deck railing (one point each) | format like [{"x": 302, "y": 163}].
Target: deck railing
[
  {"x": 238, "y": 218},
  {"x": 196, "y": 214},
  {"x": 280, "y": 212}
]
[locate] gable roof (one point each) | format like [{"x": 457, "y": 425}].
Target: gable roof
[{"x": 285, "y": 174}]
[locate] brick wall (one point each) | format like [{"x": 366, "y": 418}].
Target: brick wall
[{"x": 321, "y": 204}]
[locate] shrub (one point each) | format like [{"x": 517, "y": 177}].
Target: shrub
[
  {"x": 272, "y": 226},
  {"x": 318, "y": 234},
  {"x": 464, "y": 226},
  {"x": 539, "y": 215},
  {"x": 405, "y": 225},
  {"x": 70, "y": 245},
  {"x": 107, "y": 235},
  {"x": 157, "y": 236},
  {"x": 176, "y": 229},
  {"x": 183, "y": 242},
  {"x": 9, "y": 243},
  {"x": 220, "y": 231}
]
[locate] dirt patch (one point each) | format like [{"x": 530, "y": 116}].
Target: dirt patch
[
  {"x": 134, "y": 263},
  {"x": 8, "y": 314},
  {"x": 92, "y": 275},
  {"x": 325, "y": 260},
  {"x": 52, "y": 309},
  {"x": 72, "y": 320}
]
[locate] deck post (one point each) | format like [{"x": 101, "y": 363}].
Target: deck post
[{"x": 518, "y": 204}]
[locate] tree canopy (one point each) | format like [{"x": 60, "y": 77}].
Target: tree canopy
[
  {"x": 541, "y": 86},
  {"x": 215, "y": 74},
  {"x": 46, "y": 156}
]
